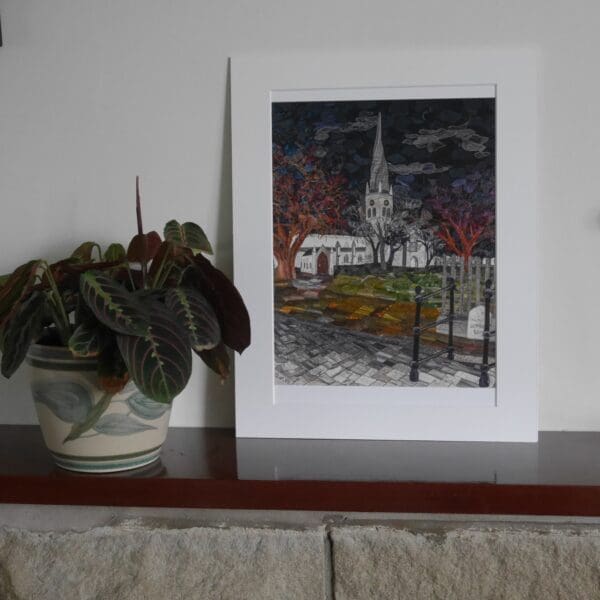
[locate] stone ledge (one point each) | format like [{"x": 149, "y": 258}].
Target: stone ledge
[
  {"x": 131, "y": 562},
  {"x": 470, "y": 564}
]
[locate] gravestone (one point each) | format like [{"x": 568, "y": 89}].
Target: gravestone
[{"x": 476, "y": 322}]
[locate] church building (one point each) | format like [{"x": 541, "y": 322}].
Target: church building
[{"x": 321, "y": 254}]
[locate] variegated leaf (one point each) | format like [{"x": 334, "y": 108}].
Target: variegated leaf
[
  {"x": 87, "y": 341},
  {"x": 16, "y": 288},
  {"x": 21, "y": 330},
  {"x": 193, "y": 311},
  {"x": 83, "y": 252},
  {"x": 112, "y": 304},
  {"x": 189, "y": 234},
  {"x": 159, "y": 362},
  {"x": 115, "y": 252}
]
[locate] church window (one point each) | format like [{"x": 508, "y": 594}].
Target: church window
[
  {"x": 372, "y": 202},
  {"x": 386, "y": 202}
]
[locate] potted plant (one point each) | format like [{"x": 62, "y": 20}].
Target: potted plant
[{"x": 109, "y": 336}]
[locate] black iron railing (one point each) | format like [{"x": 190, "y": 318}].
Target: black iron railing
[
  {"x": 419, "y": 327},
  {"x": 484, "y": 378}
]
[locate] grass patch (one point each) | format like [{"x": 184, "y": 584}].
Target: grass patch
[{"x": 385, "y": 287}]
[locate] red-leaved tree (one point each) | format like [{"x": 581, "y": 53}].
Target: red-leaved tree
[
  {"x": 464, "y": 215},
  {"x": 305, "y": 200}
]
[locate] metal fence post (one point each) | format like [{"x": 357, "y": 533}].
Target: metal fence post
[
  {"x": 414, "y": 365},
  {"x": 451, "y": 319},
  {"x": 484, "y": 379}
]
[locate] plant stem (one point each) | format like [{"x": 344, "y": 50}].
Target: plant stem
[
  {"x": 130, "y": 277},
  {"x": 138, "y": 212},
  {"x": 62, "y": 320},
  {"x": 138, "y": 205}
]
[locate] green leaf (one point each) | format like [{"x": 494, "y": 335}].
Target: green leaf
[
  {"x": 83, "y": 253},
  {"x": 112, "y": 304},
  {"x": 217, "y": 359},
  {"x": 145, "y": 408},
  {"x": 23, "y": 328},
  {"x": 16, "y": 288},
  {"x": 119, "y": 424},
  {"x": 68, "y": 400},
  {"x": 94, "y": 413},
  {"x": 224, "y": 298},
  {"x": 193, "y": 311},
  {"x": 160, "y": 363},
  {"x": 189, "y": 234},
  {"x": 115, "y": 252},
  {"x": 87, "y": 340}
]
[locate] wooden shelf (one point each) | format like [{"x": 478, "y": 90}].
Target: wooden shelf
[{"x": 209, "y": 468}]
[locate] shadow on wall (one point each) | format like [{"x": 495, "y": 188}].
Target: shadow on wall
[{"x": 218, "y": 394}]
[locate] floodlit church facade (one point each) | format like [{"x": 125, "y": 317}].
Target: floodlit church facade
[{"x": 321, "y": 254}]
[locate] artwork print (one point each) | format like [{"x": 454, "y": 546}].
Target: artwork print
[{"x": 384, "y": 242}]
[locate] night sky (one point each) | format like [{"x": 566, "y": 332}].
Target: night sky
[{"x": 424, "y": 140}]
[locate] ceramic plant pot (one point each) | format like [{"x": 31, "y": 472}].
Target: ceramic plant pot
[{"x": 127, "y": 435}]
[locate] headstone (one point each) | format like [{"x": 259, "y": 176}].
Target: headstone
[{"x": 476, "y": 322}]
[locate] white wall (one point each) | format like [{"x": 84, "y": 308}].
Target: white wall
[{"x": 94, "y": 92}]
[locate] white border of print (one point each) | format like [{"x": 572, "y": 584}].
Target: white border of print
[{"x": 507, "y": 413}]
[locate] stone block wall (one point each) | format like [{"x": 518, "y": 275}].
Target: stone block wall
[{"x": 273, "y": 556}]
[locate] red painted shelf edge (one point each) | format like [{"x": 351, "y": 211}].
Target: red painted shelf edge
[{"x": 333, "y": 496}]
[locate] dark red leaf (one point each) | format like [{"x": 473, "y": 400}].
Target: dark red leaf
[
  {"x": 225, "y": 299},
  {"x": 143, "y": 247}
]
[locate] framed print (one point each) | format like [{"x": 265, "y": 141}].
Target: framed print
[{"x": 384, "y": 239}]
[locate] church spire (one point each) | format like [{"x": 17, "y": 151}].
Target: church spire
[{"x": 379, "y": 180}]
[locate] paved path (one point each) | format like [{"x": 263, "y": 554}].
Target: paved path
[{"x": 312, "y": 353}]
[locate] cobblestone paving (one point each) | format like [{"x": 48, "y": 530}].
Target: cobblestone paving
[{"x": 312, "y": 353}]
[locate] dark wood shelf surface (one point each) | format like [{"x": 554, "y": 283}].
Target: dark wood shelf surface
[{"x": 209, "y": 468}]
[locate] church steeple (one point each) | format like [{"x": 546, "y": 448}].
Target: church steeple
[{"x": 379, "y": 181}]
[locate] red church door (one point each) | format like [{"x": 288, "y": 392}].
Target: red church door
[{"x": 322, "y": 264}]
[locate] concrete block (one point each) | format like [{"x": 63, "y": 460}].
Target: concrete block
[
  {"x": 137, "y": 563},
  {"x": 387, "y": 563}
]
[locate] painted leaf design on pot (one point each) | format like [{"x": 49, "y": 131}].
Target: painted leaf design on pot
[
  {"x": 189, "y": 234},
  {"x": 193, "y": 311},
  {"x": 146, "y": 408},
  {"x": 112, "y": 304},
  {"x": 23, "y": 328},
  {"x": 120, "y": 424},
  {"x": 160, "y": 362},
  {"x": 91, "y": 418},
  {"x": 68, "y": 400}
]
